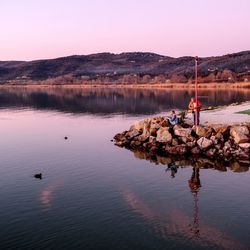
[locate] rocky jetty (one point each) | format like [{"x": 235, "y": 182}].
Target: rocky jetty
[{"x": 214, "y": 141}]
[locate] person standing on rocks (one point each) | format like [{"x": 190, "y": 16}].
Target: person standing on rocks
[{"x": 195, "y": 108}]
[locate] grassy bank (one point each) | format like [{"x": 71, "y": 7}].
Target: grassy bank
[{"x": 245, "y": 112}]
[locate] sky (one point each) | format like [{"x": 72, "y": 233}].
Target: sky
[{"x": 39, "y": 29}]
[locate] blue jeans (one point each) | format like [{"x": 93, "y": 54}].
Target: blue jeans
[{"x": 194, "y": 117}]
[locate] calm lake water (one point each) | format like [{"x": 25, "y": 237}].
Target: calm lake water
[{"x": 94, "y": 195}]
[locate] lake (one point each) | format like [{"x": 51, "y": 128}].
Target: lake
[{"x": 94, "y": 195}]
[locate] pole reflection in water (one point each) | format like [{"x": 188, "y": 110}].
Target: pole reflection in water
[{"x": 195, "y": 184}]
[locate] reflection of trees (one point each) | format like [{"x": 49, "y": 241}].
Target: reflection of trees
[{"x": 113, "y": 100}]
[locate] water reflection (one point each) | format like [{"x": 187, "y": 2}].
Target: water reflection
[
  {"x": 194, "y": 185},
  {"x": 112, "y": 100},
  {"x": 177, "y": 223},
  {"x": 48, "y": 194},
  {"x": 174, "y": 162}
]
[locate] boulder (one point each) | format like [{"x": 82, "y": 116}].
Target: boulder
[
  {"x": 177, "y": 126},
  {"x": 214, "y": 140},
  {"x": 175, "y": 142},
  {"x": 181, "y": 149},
  {"x": 244, "y": 145},
  {"x": 163, "y": 135},
  {"x": 138, "y": 126},
  {"x": 119, "y": 143},
  {"x": 210, "y": 152},
  {"x": 239, "y": 134},
  {"x": 132, "y": 133},
  {"x": 164, "y": 123},
  {"x": 196, "y": 151},
  {"x": 203, "y": 131},
  {"x": 191, "y": 144},
  {"x": 219, "y": 136},
  {"x": 187, "y": 139},
  {"x": 182, "y": 132},
  {"x": 218, "y": 146},
  {"x": 146, "y": 127},
  {"x": 152, "y": 131},
  {"x": 119, "y": 137},
  {"x": 222, "y": 129},
  {"x": 204, "y": 143},
  {"x": 152, "y": 139},
  {"x": 142, "y": 138}
]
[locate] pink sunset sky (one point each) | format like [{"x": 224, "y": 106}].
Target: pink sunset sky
[{"x": 38, "y": 29}]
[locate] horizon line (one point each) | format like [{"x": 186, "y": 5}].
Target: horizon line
[{"x": 125, "y": 52}]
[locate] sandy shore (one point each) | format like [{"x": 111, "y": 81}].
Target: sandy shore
[
  {"x": 225, "y": 115},
  {"x": 237, "y": 85}
]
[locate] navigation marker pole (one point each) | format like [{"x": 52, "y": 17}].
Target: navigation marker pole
[{"x": 196, "y": 92}]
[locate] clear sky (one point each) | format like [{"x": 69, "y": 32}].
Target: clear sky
[{"x": 35, "y": 29}]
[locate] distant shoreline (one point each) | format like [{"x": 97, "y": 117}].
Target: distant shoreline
[{"x": 238, "y": 85}]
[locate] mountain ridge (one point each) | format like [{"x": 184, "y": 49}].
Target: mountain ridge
[{"x": 133, "y": 66}]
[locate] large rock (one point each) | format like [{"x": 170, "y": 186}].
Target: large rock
[
  {"x": 244, "y": 145},
  {"x": 222, "y": 129},
  {"x": 120, "y": 136},
  {"x": 187, "y": 139},
  {"x": 191, "y": 144},
  {"x": 181, "y": 149},
  {"x": 138, "y": 126},
  {"x": 203, "y": 131},
  {"x": 182, "y": 132},
  {"x": 196, "y": 151},
  {"x": 132, "y": 133},
  {"x": 219, "y": 136},
  {"x": 163, "y": 135},
  {"x": 210, "y": 152},
  {"x": 240, "y": 134},
  {"x": 146, "y": 127},
  {"x": 143, "y": 138},
  {"x": 154, "y": 126},
  {"x": 152, "y": 139},
  {"x": 204, "y": 143}
]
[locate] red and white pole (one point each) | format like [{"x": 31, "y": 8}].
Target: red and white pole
[{"x": 196, "y": 91}]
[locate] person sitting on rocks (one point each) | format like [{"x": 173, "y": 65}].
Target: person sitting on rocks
[{"x": 173, "y": 119}]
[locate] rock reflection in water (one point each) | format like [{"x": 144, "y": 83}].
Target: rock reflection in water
[
  {"x": 112, "y": 100},
  {"x": 177, "y": 222},
  {"x": 191, "y": 161}
]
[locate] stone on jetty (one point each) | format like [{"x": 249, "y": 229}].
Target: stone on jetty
[
  {"x": 163, "y": 135},
  {"x": 240, "y": 134},
  {"x": 204, "y": 143},
  {"x": 155, "y": 136}
]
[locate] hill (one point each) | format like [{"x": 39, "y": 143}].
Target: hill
[{"x": 134, "y": 67}]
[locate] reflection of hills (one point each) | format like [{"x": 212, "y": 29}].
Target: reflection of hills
[{"x": 107, "y": 101}]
